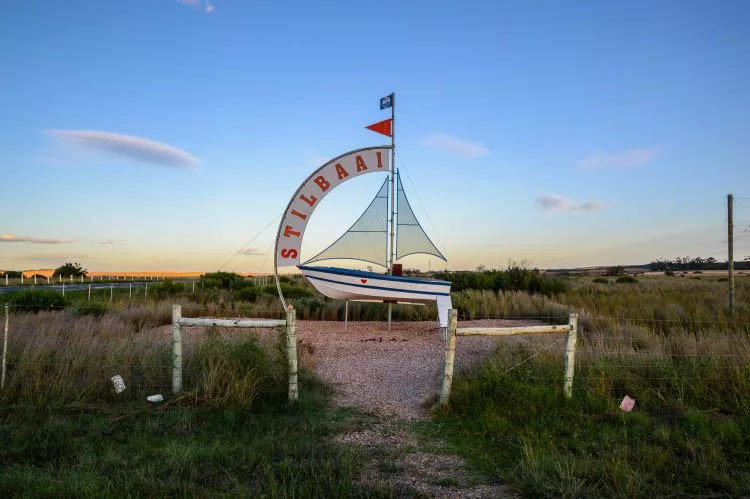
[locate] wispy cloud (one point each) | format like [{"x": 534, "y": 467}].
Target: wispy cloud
[
  {"x": 109, "y": 241},
  {"x": 553, "y": 202},
  {"x": 252, "y": 252},
  {"x": 55, "y": 258},
  {"x": 207, "y": 6},
  {"x": 455, "y": 145},
  {"x": 618, "y": 160},
  {"x": 138, "y": 148},
  {"x": 12, "y": 238}
]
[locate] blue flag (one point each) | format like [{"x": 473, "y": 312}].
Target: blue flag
[{"x": 387, "y": 101}]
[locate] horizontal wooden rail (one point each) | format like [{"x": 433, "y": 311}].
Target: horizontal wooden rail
[
  {"x": 453, "y": 331},
  {"x": 510, "y": 331},
  {"x": 199, "y": 321},
  {"x": 290, "y": 325}
]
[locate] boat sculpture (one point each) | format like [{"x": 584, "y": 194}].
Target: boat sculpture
[{"x": 386, "y": 231}]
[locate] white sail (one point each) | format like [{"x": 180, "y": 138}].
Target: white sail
[
  {"x": 410, "y": 237},
  {"x": 367, "y": 239}
]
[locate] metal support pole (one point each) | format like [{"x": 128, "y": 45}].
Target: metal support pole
[
  {"x": 63, "y": 285},
  {"x": 145, "y": 292},
  {"x": 390, "y": 310},
  {"x": 570, "y": 355},
  {"x": 291, "y": 352},
  {"x": 346, "y": 313},
  {"x": 450, "y": 356},
  {"x": 730, "y": 256},
  {"x": 111, "y": 291},
  {"x": 130, "y": 290},
  {"x": 89, "y": 292},
  {"x": 5, "y": 347},
  {"x": 176, "y": 349}
]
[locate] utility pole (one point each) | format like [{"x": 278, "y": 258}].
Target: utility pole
[{"x": 730, "y": 239}]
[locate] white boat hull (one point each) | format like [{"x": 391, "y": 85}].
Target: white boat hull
[{"x": 356, "y": 285}]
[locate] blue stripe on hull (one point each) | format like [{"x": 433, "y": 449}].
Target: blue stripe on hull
[
  {"x": 399, "y": 290},
  {"x": 370, "y": 275}
]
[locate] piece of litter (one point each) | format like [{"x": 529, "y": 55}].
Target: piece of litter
[
  {"x": 119, "y": 383},
  {"x": 627, "y": 404},
  {"x": 155, "y": 398}
]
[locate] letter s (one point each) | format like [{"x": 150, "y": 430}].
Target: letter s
[{"x": 289, "y": 253}]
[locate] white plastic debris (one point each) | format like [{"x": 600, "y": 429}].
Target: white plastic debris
[
  {"x": 155, "y": 398},
  {"x": 119, "y": 383},
  {"x": 627, "y": 404}
]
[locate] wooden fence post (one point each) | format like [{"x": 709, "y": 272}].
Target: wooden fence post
[
  {"x": 5, "y": 346},
  {"x": 291, "y": 352},
  {"x": 570, "y": 355},
  {"x": 176, "y": 349},
  {"x": 450, "y": 355}
]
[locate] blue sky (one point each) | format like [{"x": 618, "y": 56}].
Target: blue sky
[{"x": 164, "y": 135}]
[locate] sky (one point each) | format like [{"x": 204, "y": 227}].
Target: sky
[{"x": 170, "y": 135}]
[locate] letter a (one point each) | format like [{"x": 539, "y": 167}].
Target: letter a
[
  {"x": 361, "y": 166},
  {"x": 341, "y": 172}
]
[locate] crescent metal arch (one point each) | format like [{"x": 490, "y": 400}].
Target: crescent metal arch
[{"x": 307, "y": 182}]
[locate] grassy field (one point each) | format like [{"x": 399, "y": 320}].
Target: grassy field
[{"x": 665, "y": 341}]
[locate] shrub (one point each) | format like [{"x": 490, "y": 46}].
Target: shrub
[
  {"x": 601, "y": 280},
  {"x": 291, "y": 291},
  {"x": 35, "y": 300},
  {"x": 223, "y": 280},
  {"x": 627, "y": 279},
  {"x": 249, "y": 293},
  {"x": 669, "y": 272},
  {"x": 167, "y": 289},
  {"x": 70, "y": 269}
]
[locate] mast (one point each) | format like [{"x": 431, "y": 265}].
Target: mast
[{"x": 392, "y": 222}]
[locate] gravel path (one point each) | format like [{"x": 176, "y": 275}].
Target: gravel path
[{"x": 390, "y": 373}]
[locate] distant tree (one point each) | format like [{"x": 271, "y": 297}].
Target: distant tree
[
  {"x": 617, "y": 270},
  {"x": 70, "y": 269},
  {"x": 12, "y": 274}
]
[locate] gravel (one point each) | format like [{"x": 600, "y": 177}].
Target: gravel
[{"x": 390, "y": 373}]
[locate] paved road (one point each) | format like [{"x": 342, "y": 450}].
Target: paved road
[{"x": 71, "y": 287}]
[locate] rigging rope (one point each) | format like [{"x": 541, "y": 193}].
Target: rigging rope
[
  {"x": 419, "y": 200},
  {"x": 250, "y": 242}
]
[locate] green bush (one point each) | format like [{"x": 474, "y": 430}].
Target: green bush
[
  {"x": 627, "y": 279},
  {"x": 34, "y": 300},
  {"x": 167, "y": 289},
  {"x": 223, "y": 280},
  {"x": 249, "y": 293},
  {"x": 669, "y": 272},
  {"x": 601, "y": 280},
  {"x": 291, "y": 291}
]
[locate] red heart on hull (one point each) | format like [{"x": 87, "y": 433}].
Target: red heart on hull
[{"x": 363, "y": 280}]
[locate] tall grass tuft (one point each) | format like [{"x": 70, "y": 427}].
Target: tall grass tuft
[{"x": 64, "y": 357}]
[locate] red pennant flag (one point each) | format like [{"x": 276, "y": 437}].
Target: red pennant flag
[{"x": 383, "y": 127}]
